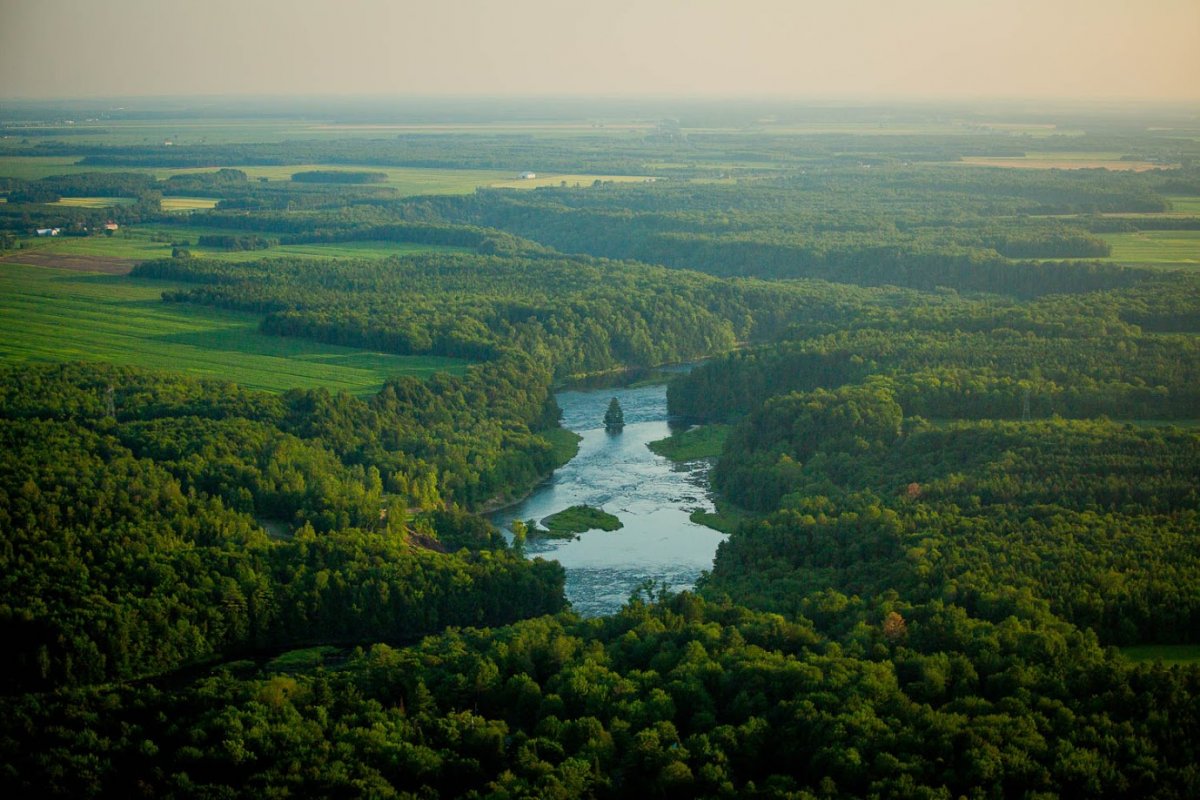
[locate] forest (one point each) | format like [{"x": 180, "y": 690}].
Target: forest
[{"x": 959, "y": 458}]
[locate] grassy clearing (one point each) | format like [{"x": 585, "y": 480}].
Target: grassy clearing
[
  {"x": 1155, "y": 248},
  {"x": 188, "y": 203},
  {"x": 1168, "y": 654},
  {"x": 56, "y": 315},
  {"x": 301, "y": 660},
  {"x": 725, "y": 519},
  {"x": 578, "y": 519},
  {"x": 95, "y": 202},
  {"x": 705, "y": 441}
]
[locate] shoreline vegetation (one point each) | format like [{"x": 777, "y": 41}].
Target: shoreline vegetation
[{"x": 694, "y": 444}]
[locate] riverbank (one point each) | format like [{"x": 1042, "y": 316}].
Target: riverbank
[{"x": 650, "y": 495}]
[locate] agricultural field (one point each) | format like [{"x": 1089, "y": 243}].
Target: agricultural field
[
  {"x": 1184, "y": 205},
  {"x": 406, "y": 181},
  {"x": 59, "y": 315},
  {"x": 1155, "y": 248},
  {"x": 188, "y": 203},
  {"x": 95, "y": 202},
  {"x": 556, "y": 179},
  {"x": 146, "y": 242},
  {"x": 1082, "y": 159}
]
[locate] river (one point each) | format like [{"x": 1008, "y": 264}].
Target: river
[{"x": 651, "y": 495}]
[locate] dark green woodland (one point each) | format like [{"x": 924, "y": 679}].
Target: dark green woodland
[{"x": 962, "y": 473}]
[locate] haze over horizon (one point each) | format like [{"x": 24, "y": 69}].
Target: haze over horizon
[{"x": 1104, "y": 50}]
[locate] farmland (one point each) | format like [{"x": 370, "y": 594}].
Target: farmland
[
  {"x": 405, "y": 181},
  {"x": 1083, "y": 159},
  {"x": 94, "y": 202},
  {"x": 56, "y": 315},
  {"x": 188, "y": 203},
  {"x": 1156, "y": 248},
  {"x": 154, "y": 241}
]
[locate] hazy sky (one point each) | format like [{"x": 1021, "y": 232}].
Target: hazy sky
[{"x": 1087, "y": 49}]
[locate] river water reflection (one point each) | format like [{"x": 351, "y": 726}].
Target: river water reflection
[{"x": 651, "y": 495}]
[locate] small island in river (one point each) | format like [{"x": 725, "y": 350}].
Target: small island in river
[{"x": 578, "y": 519}]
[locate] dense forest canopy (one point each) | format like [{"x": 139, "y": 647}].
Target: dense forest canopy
[{"x": 961, "y": 472}]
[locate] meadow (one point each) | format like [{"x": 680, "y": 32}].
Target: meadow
[
  {"x": 58, "y": 315},
  {"x": 145, "y": 242},
  {"x": 1184, "y": 205},
  {"x": 1155, "y": 248},
  {"x": 95, "y": 202},
  {"x": 188, "y": 203}
]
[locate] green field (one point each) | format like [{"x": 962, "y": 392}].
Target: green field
[
  {"x": 188, "y": 203},
  {"x": 1078, "y": 159},
  {"x": 1168, "y": 654},
  {"x": 726, "y": 518},
  {"x": 58, "y": 315},
  {"x": 1155, "y": 248},
  {"x": 95, "y": 202},
  {"x": 140, "y": 244},
  {"x": 1185, "y": 205},
  {"x": 705, "y": 441},
  {"x": 404, "y": 180}
]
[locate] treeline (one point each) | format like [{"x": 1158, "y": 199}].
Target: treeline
[
  {"x": 689, "y": 152},
  {"x": 29, "y": 202},
  {"x": 1078, "y": 356},
  {"x": 338, "y": 176},
  {"x": 1095, "y": 519},
  {"x": 234, "y": 243},
  {"x": 134, "y": 506},
  {"x": 969, "y": 229},
  {"x": 585, "y": 315},
  {"x": 859, "y": 491},
  {"x": 682, "y": 698}
]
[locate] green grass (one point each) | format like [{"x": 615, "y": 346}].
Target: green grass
[
  {"x": 139, "y": 244},
  {"x": 405, "y": 181},
  {"x": 95, "y": 202},
  {"x": 1078, "y": 159},
  {"x": 1166, "y": 653},
  {"x": 1185, "y": 205},
  {"x": 57, "y": 315},
  {"x": 1155, "y": 248},
  {"x": 705, "y": 441},
  {"x": 725, "y": 519},
  {"x": 301, "y": 660},
  {"x": 578, "y": 519},
  {"x": 564, "y": 442},
  {"x": 188, "y": 203}
]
